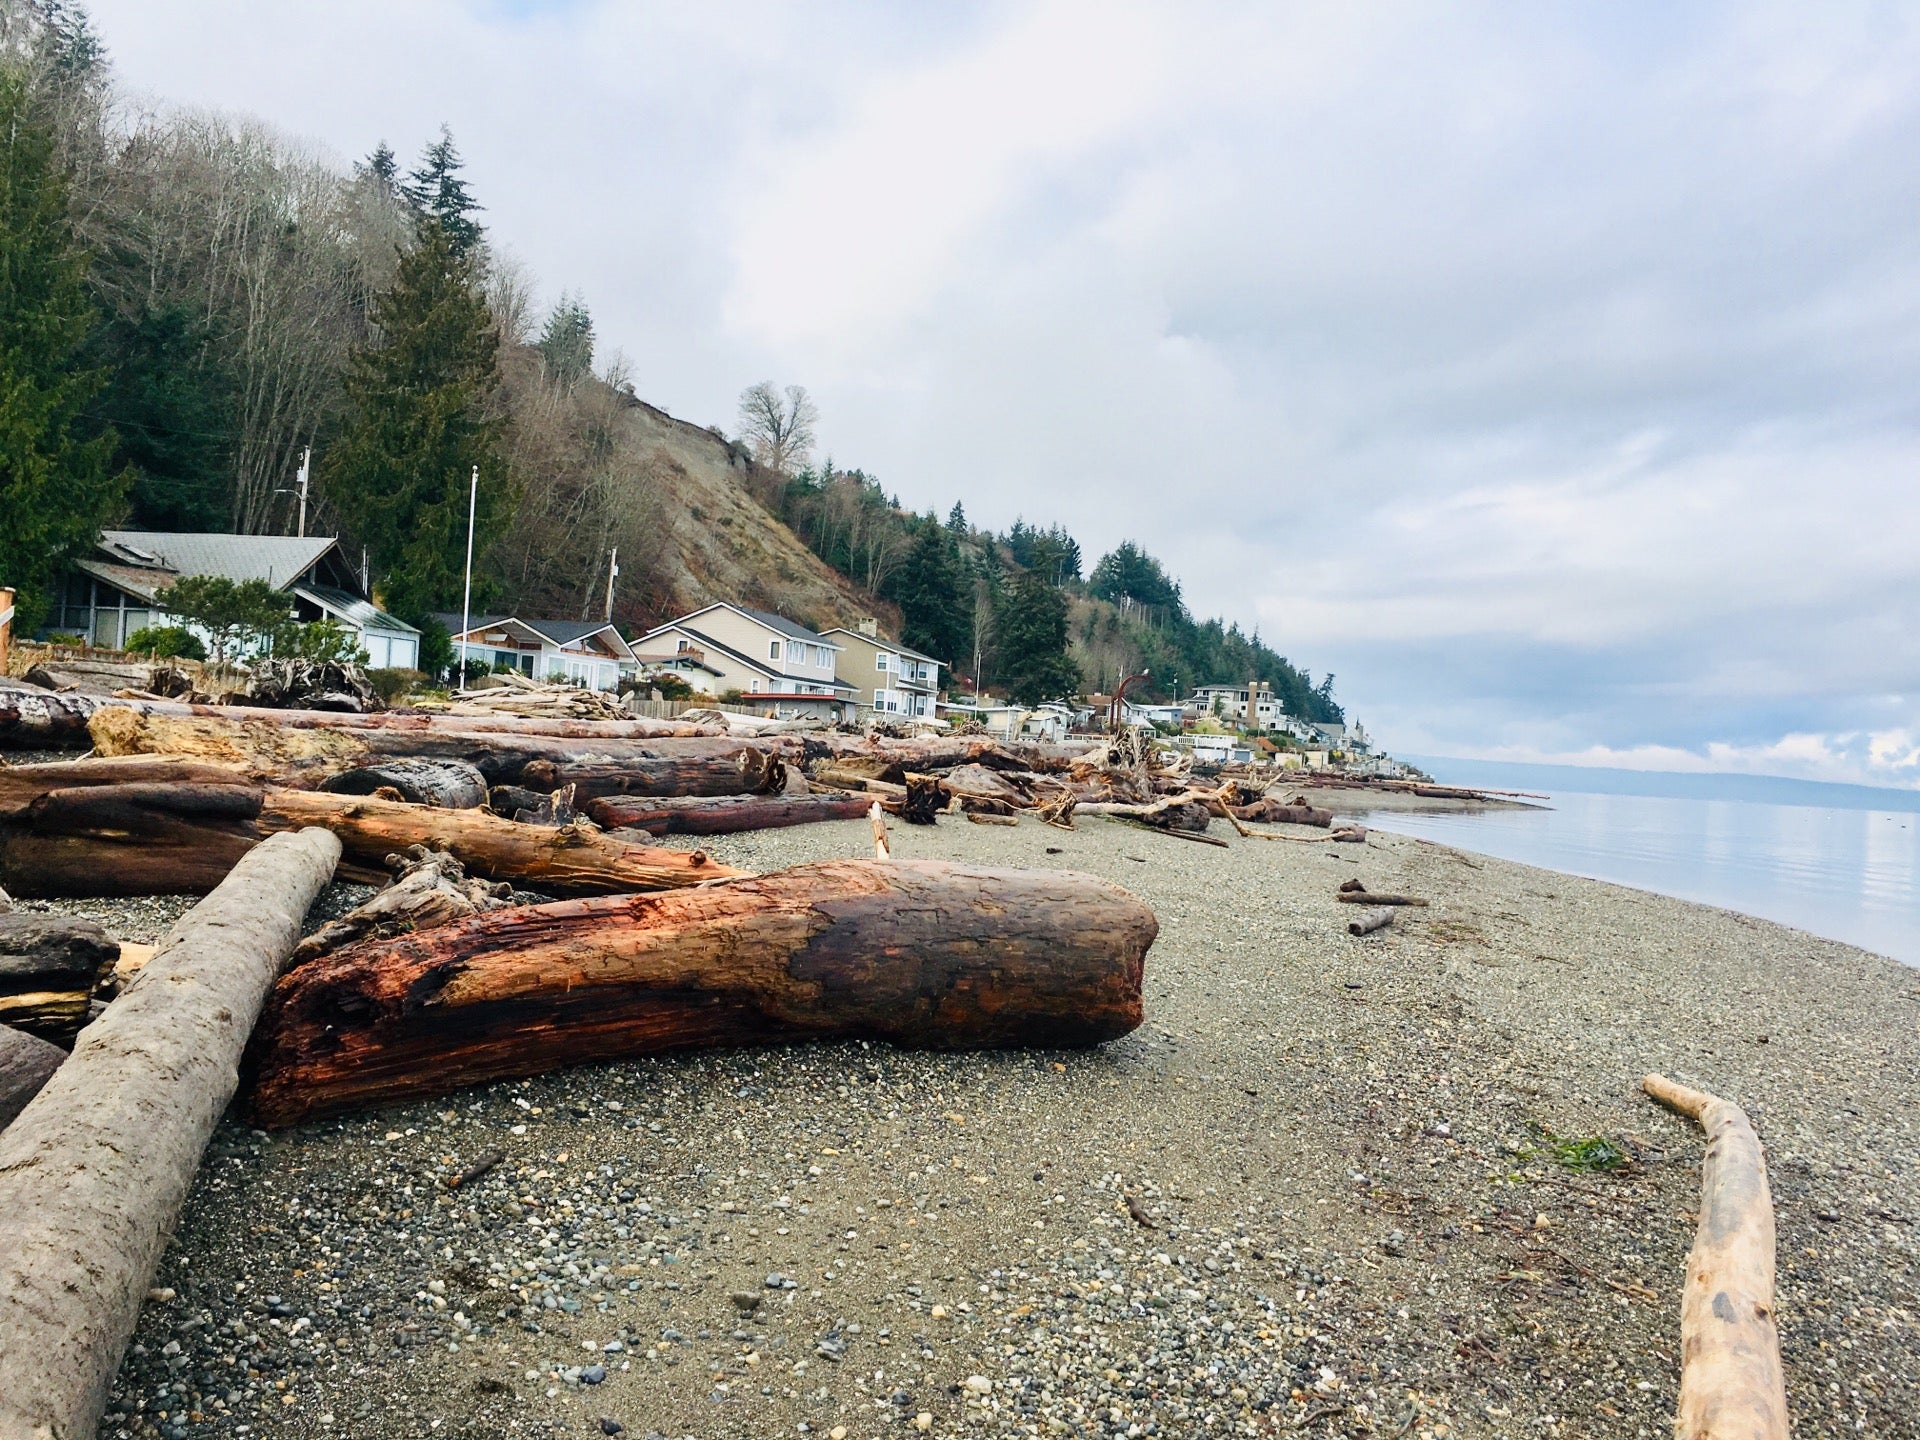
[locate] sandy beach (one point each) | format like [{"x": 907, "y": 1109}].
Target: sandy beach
[{"x": 1333, "y": 1186}]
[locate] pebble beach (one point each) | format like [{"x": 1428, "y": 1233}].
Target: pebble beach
[{"x": 1402, "y": 1184}]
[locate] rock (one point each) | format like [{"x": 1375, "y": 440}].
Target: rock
[
  {"x": 610, "y": 1426},
  {"x": 593, "y": 1374},
  {"x": 747, "y": 1301}
]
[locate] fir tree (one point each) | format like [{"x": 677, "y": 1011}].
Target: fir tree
[
  {"x": 417, "y": 426},
  {"x": 566, "y": 344},
  {"x": 167, "y": 400},
  {"x": 1032, "y": 641},
  {"x": 381, "y": 170},
  {"x": 957, "y": 522},
  {"x": 56, "y": 488},
  {"x": 437, "y": 192},
  {"x": 935, "y": 595}
]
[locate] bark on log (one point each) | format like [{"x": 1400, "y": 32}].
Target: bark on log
[
  {"x": 1273, "y": 812},
  {"x": 1371, "y": 921},
  {"x": 49, "y": 965},
  {"x": 745, "y": 770},
  {"x": 573, "y": 860},
  {"x": 95, "y": 1170},
  {"x": 1367, "y": 897},
  {"x": 723, "y": 814},
  {"x": 35, "y": 719},
  {"x": 918, "y": 953},
  {"x": 430, "y": 888},
  {"x": 443, "y": 784},
  {"x": 21, "y": 785},
  {"x": 26, "y": 1064},
  {"x": 531, "y": 807},
  {"x": 1731, "y": 1383}
]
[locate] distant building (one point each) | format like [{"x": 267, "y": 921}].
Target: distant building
[
  {"x": 780, "y": 667},
  {"x": 121, "y": 586},
  {"x": 1229, "y": 702},
  {"x": 891, "y": 678},
  {"x": 578, "y": 652}
]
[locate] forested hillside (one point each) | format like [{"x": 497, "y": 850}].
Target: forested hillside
[{"x": 190, "y": 302}]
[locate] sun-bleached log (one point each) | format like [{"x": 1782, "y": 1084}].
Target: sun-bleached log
[
  {"x": 1731, "y": 1383},
  {"x": 917, "y": 953},
  {"x": 742, "y": 770},
  {"x": 723, "y": 814},
  {"x": 93, "y": 1173}
]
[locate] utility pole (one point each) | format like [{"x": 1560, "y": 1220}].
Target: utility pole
[
  {"x": 613, "y": 573},
  {"x": 306, "y": 458},
  {"x": 6, "y": 626},
  {"x": 466, "y": 602}
]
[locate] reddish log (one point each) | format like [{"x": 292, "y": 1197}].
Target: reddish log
[{"x": 724, "y": 815}]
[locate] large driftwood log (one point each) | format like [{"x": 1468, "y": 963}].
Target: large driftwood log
[
  {"x": 747, "y": 770},
  {"x": 129, "y": 839},
  {"x": 1731, "y": 1383},
  {"x": 26, "y": 1063},
  {"x": 724, "y": 814},
  {"x": 94, "y": 1171},
  {"x": 49, "y": 965},
  {"x": 914, "y": 952},
  {"x": 443, "y": 784},
  {"x": 1274, "y": 812},
  {"x": 36, "y": 719},
  {"x": 572, "y": 860}
]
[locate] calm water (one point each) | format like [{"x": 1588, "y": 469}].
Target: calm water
[{"x": 1847, "y": 873}]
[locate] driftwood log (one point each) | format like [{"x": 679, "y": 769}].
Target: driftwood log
[
  {"x": 742, "y": 770},
  {"x": 1275, "y": 812},
  {"x": 723, "y": 814},
  {"x": 26, "y": 1063},
  {"x": 533, "y": 807},
  {"x": 1367, "y": 897},
  {"x": 49, "y": 965},
  {"x": 1371, "y": 921},
  {"x": 917, "y": 953},
  {"x": 1731, "y": 1383},
  {"x": 443, "y": 784},
  {"x": 170, "y": 827},
  {"x": 94, "y": 1171}
]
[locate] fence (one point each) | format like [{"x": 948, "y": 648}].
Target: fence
[{"x": 674, "y": 709}]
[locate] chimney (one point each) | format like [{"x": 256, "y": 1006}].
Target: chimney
[{"x": 869, "y": 627}]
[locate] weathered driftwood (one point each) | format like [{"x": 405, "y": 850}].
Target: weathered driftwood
[
  {"x": 26, "y": 1063},
  {"x": 922, "y": 801},
  {"x": 1275, "y": 812},
  {"x": 1731, "y": 1383},
  {"x": 882, "y": 846},
  {"x": 430, "y": 888},
  {"x": 1175, "y": 831},
  {"x": 1367, "y": 897},
  {"x": 533, "y": 807},
  {"x": 443, "y": 784},
  {"x": 723, "y": 814},
  {"x": 980, "y": 817},
  {"x": 1185, "y": 811},
  {"x": 741, "y": 770},
  {"x": 917, "y": 953},
  {"x": 573, "y": 860},
  {"x": 1371, "y": 921},
  {"x": 49, "y": 965},
  {"x": 94, "y": 1171}
]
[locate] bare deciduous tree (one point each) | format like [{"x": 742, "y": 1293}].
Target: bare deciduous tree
[{"x": 777, "y": 427}]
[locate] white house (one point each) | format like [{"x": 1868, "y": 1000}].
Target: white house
[
  {"x": 578, "y": 652},
  {"x": 121, "y": 586},
  {"x": 773, "y": 662},
  {"x": 1230, "y": 703},
  {"x": 891, "y": 678}
]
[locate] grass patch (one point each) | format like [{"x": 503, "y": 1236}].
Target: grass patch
[{"x": 1584, "y": 1156}]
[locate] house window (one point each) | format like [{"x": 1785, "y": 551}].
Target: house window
[
  {"x": 880, "y": 663},
  {"x": 773, "y": 650},
  {"x": 682, "y": 646},
  {"x": 754, "y": 684}
]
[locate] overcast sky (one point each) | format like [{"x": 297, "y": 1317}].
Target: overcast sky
[{"x": 1546, "y": 372}]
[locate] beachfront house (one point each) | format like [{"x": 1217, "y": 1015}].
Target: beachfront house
[
  {"x": 778, "y": 666},
  {"x": 573, "y": 652},
  {"x": 890, "y": 678},
  {"x": 121, "y": 586},
  {"x": 1229, "y": 702}
]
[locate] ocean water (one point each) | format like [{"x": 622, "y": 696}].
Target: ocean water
[{"x": 1838, "y": 861}]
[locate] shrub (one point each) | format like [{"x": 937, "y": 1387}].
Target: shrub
[
  {"x": 395, "y": 685},
  {"x": 323, "y": 640},
  {"x": 671, "y": 687},
  {"x": 167, "y": 642}
]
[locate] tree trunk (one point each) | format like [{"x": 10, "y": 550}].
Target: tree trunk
[
  {"x": 1366, "y": 897},
  {"x": 916, "y": 953},
  {"x": 1731, "y": 1383},
  {"x": 130, "y": 839},
  {"x": 1272, "y": 812},
  {"x": 94, "y": 1172},
  {"x": 34, "y": 719},
  {"x": 443, "y": 784},
  {"x": 746, "y": 771},
  {"x": 1371, "y": 921},
  {"x": 430, "y": 888},
  {"x": 725, "y": 814},
  {"x": 49, "y": 965},
  {"x": 21, "y": 785},
  {"x": 574, "y": 860},
  {"x": 26, "y": 1064}
]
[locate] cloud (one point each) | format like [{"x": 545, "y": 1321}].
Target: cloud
[{"x": 1549, "y": 375}]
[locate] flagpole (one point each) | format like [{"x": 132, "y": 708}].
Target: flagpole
[{"x": 466, "y": 603}]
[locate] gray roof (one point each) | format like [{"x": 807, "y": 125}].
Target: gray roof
[
  {"x": 362, "y": 614},
  {"x": 783, "y": 625},
  {"x": 880, "y": 642},
  {"x": 561, "y": 632},
  {"x": 278, "y": 559},
  {"x": 760, "y": 665}
]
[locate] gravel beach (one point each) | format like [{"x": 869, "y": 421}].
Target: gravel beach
[{"x": 1398, "y": 1185}]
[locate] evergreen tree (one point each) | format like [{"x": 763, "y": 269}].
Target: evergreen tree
[
  {"x": 1032, "y": 641},
  {"x": 380, "y": 169},
  {"x": 417, "y": 426},
  {"x": 167, "y": 400},
  {"x": 56, "y": 489},
  {"x": 935, "y": 596},
  {"x": 957, "y": 521},
  {"x": 1128, "y": 572},
  {"x": 437, "y": 192},
  {"x": 567, "y": 342}
]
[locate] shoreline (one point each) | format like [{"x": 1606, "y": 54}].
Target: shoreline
[{"x": 1347, "y": 1149}]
